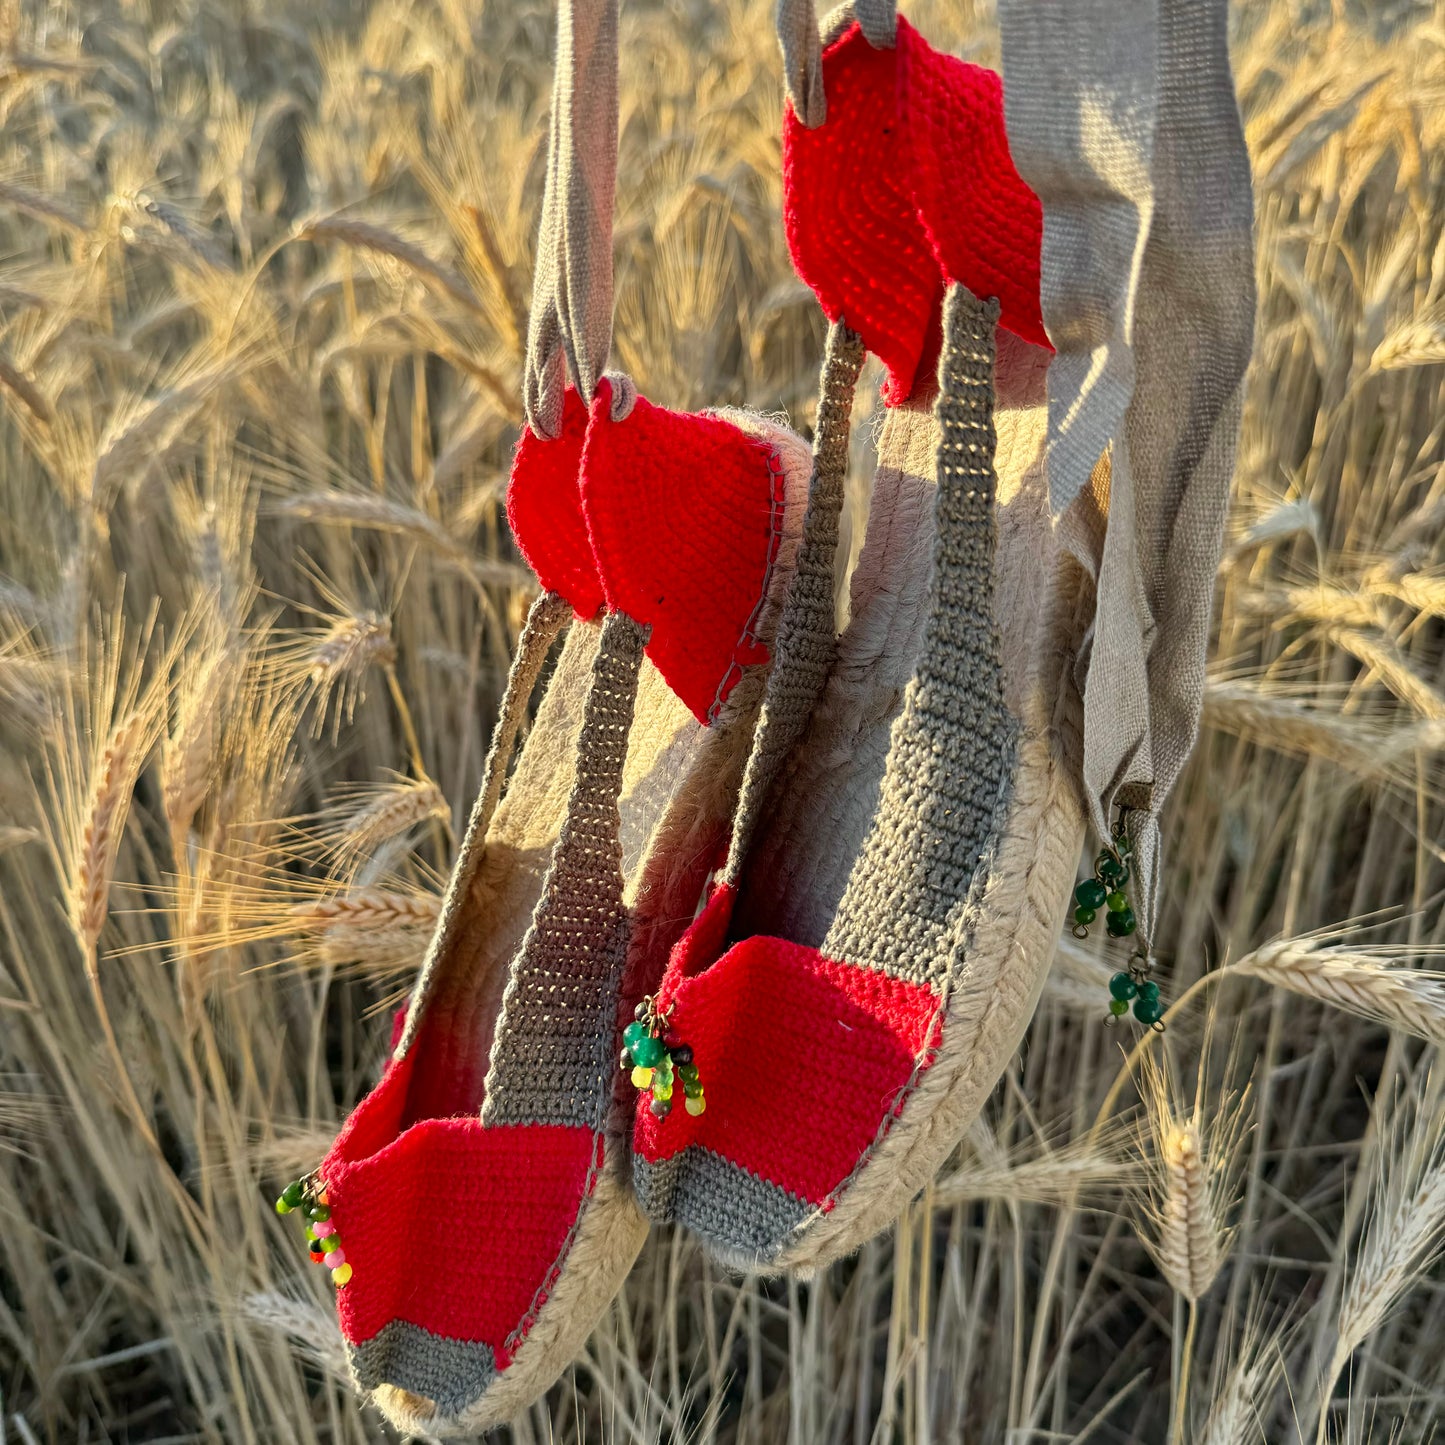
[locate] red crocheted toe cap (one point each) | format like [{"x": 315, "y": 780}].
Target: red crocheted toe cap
[
  {"x": 984, "y": 224},
  {"x": 684, "y": 512},
  {"x": 804, "y": 1061},
  {"x": 544, "y": 509},
  {"x": 418, "y": 1212},
  {"x": 848, "y": 209}
]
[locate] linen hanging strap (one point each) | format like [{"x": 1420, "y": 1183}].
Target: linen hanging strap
[
  {"x": 1122, "y": 116},
  {"x": 801, "y": 42},
  {"x": 570, "y": 325}
]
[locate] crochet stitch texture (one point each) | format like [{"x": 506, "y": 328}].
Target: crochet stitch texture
[{"x": 872, "y": 200}]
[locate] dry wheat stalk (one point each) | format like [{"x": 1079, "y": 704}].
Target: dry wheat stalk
[
  {"x": 1404, "y": 1234},
  {"x": 396, "y": 808},
  {"x": 1188, "y": 1237},
  {"x": 1419, "y": 342},
  {"x": 350, "y": 646},
  {"x": 376, "y": 952},
  {"x": 1411, "y": 999},
  {"x": 1079, "y": 977},
  {"x": 1288, "y": 725},
  {"x": 102, "y": 823},
  {"x": 1236, "y": 1414},
  {"x": 1384, "y": 659},
  {"x": 18, "y": 298},
  {"x": 310, "y": 1328},
  {"x": 1193, "y": 1159},
  {"x": 200, "y": 245},
  {"x": 27, "y": 391},
  {"x": 188, "y": 764},
  {"x": 1054, "y": 1178},
  {"x": 29, "y": 681},
  {"x": 1287, "y": 519},
  {"x": 42, "y": 208},
  {"x": 1341, "y": 606},
  {"x": 369, "y": 908},
  {"x": 382, "y": 514},
  {"x": 367, "y": 237},
  {"x": 143, "y": 430},
  {"x": 1422, "y": 591}
]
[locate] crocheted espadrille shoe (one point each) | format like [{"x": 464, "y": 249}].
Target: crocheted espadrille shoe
[
  {"x": 497, "y": 1110},
  {"x": 889, "y": 931}
]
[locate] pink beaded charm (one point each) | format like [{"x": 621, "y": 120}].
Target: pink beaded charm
[{"x": 323, "y": 1242}]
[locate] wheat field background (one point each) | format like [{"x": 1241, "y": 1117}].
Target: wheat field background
[{"x": 264, "y": 273}]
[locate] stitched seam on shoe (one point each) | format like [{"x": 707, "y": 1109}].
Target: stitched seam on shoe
[
  {"x": 749, "y": 635},
  {"x": 544, "y": 1290}
]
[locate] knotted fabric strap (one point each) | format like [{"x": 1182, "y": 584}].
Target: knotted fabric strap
[
  {"x": 1122, "y": 116},
  {"x": 802, "y": 45},
  {"x": 571, "y": 318}
]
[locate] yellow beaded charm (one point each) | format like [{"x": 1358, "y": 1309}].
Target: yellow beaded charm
[{"x": 658, "y": 1062}]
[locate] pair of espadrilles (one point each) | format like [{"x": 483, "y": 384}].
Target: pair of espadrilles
[{"x": 750, "y": 927}]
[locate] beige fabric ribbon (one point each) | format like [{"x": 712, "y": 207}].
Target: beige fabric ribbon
[
  {"x": 570, "y": 324},
  {"x": 1122, "y": 116}
]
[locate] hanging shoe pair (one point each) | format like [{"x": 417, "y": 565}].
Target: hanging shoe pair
[
  {"x": 869, "y": 958},
  {"x": 902, "y": 832}
]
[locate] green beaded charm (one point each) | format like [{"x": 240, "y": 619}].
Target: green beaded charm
[
  {"x": 647, "y": 1052},
  {"x": 1148, "y": 1010},
  {"x": 1123, "y": 988},
  {"x": 1120, "y": 923},
  {"x": 657, "y": 1060},
  {"x": 308, "y": 1197},
  {"x": 1106, "y": 889}
]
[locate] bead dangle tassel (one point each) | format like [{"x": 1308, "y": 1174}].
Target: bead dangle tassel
[
  {"x": 1113, "y": 871},
  {"x": 658, "y": 1062},
  {"x": 308, "y": 1198}
]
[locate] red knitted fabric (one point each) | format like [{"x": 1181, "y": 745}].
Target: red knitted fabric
[
  {"x": 684, "y": 513},
  {"x": 669, "y": 517},
  {"x": 391, "y": 1187},
  {"x": 802, "y": 1058},
  {"x": 544, "y": 509},
  {"x": 906, "y": 186},
  {"x": 988, "y": 237},
  {"x": 852, "y": 227}
]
